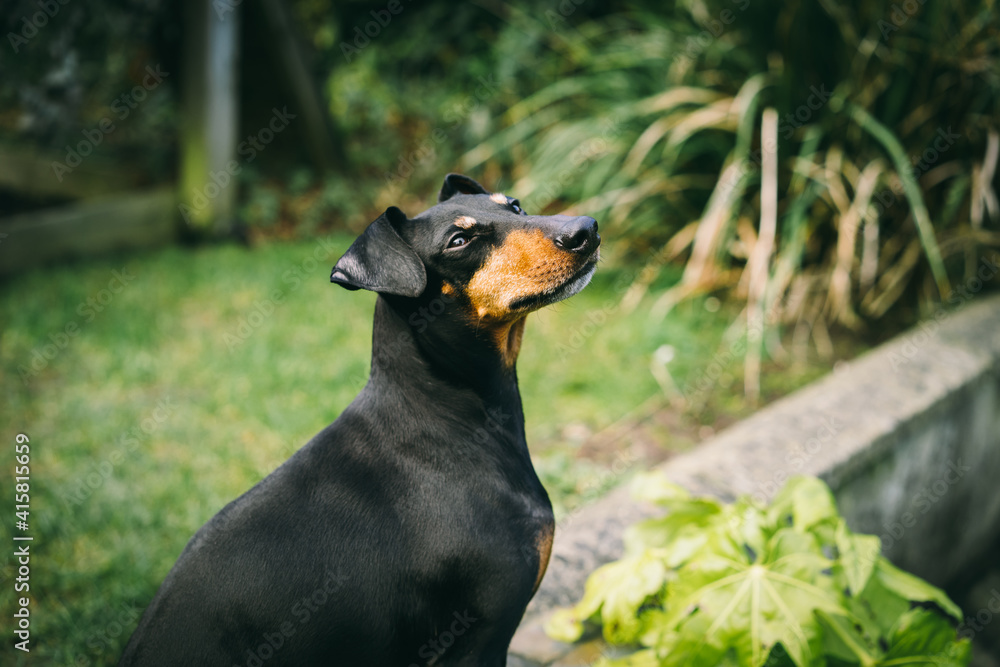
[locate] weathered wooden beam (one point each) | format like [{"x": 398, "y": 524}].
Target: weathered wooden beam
[
  {"x": 29, "y": 171},
  {"x": 136, "y": 220}
]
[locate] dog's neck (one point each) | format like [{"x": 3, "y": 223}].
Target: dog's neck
[{"x": 413, "y": 341}]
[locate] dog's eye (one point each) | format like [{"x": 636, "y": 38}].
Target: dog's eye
[
  {"x": 516, "y": 207},
  {"x": 458, "y": 240}
]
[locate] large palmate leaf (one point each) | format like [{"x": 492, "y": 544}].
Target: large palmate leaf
[{"x": 725, "y": 603}]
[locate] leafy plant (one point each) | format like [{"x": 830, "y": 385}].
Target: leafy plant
[
  {"x": 745, "y": 584},
  {"x": 878, "y": 196}
]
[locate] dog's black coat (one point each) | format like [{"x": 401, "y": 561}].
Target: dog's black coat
[{"x": 413, "y": 530}]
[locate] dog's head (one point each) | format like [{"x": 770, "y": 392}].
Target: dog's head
[{"x": 477, "y": 247}]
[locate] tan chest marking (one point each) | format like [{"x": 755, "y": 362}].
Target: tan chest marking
[
  {"x": 508, "y": 340},
  {"x": 544, "y": 546}
]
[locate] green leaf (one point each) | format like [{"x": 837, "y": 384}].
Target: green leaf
[
  {"x": 911, "y": 189},
  {"x": 807, "y": 499},
  {"x": 913, "y": 588},
  {"x": 684, "y": 547},
  {"x": 654, "y": 487},
  {"x": 752, "y": 607},
  {"x": 858, "y": 555},
  {"x": 924, "y": 637},
  {"x": 788, "y": 543},
  {"x": 656, "y": 631},
  {"x": 645, "y": 658},
  {"x": 567, "y": 624},
  {"x": 877, "y": 608},
  {"x": 564, "y": 625},
  {"x": 617, "y": 590},
  {"x": 637, "y": 580},
  {"x": 685, "y": 519},
  {"x": 748, "y": 522},
  {"x": 682, "y": 531},
  {"x": 693, "y": 646},
  {"x": 844, "y": 641}
]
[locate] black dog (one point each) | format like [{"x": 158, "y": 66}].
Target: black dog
[{"x": 413, "y": 530}]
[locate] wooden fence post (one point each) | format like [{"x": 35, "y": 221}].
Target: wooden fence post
[{"x": 210, "y": 114}]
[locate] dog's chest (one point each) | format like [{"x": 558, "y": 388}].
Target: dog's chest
[{"x": 476, "y": 527}]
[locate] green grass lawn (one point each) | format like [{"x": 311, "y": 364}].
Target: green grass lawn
[{"x": 157, "y": 387}]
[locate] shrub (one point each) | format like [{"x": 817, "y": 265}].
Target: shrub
[{"x": 881, "y": 116}]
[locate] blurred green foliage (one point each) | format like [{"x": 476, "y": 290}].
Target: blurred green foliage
[
  {"x": 69, "y": 65},
  {"x": 648, "y": 115}
]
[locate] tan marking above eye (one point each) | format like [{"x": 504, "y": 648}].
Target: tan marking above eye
[
  {"x": 465, "y": 222},
  {"x": 499, "y": 198},
  {"x": 527, "y": 264}
]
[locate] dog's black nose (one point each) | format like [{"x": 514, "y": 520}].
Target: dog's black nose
[{"x": 578, "y": 235}]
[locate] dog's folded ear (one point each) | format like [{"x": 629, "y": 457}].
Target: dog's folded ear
[
  {"x": 456, "y": 184},
  {"x": 381, "y": 261}
]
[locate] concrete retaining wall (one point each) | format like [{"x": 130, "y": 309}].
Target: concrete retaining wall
[{"x": 907, "y": 436}]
